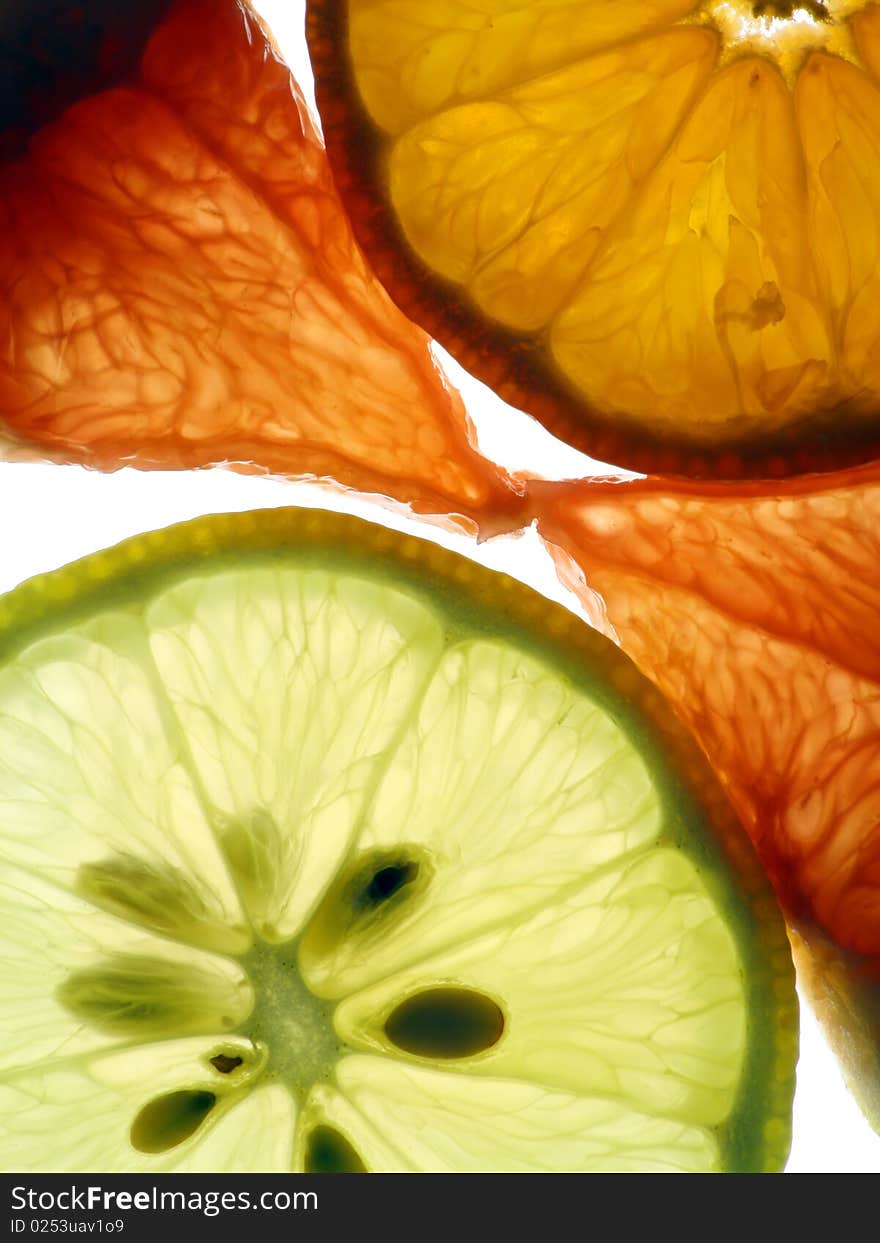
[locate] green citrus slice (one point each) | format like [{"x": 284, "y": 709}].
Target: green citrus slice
[{"x": 325, "y": 849}]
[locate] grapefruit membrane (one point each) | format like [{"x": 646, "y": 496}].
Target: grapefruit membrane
[{"x": 179, "y": 283}]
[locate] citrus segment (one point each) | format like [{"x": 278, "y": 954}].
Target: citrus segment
[
  {"x": 755, "y": 612},
  {"x": 506, "y": 774},
  {"x": 88, "y": 1106},
  {"x": 570, "y": 1021},
  {"x": 727, "y": 324},
  {"x": 838, "y": 111},
  {"x": 103, "y": 805},
  {"x": 656, "y": 238},
  {"x": 76, "y": 980},
  {"x": 496, "y": 194},
  {"x": 415, "y": 59},
  {"x": 181, "y": 287},
  {"x": 587, "y": 938},
  {"x": 452, "y": 1123},
  {"x": 866, "y": 33},
  {"x": 285, "y": 742}
]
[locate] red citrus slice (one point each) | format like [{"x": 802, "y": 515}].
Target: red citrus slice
[
  {"x": 179, "y": 285},
  {"x": 755, "y": 612}
]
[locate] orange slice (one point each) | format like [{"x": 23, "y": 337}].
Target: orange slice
[
  {"x": 755, "y": 612},
  {"x": 179, "y": 285},
  {"x": 654, "y": 225}
]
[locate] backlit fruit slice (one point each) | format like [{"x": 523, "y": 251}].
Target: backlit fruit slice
[
  {"x": 755, "y": 611},
  {"x": 653, "y": 224},
  {"x": 325, "y": 849},
  {"x": 179, "y": 285}
]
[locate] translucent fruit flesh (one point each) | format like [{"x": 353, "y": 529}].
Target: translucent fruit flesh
[
  {"x": 179, "y": 285},
  {"x": 754, "y": 610},
  {"x": 436, "y": 883},
  {"x": 788, "y": 582},
  {"x": 651, "y": 225}
]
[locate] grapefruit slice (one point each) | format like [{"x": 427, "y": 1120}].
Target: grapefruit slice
[
  {"x": 179, "y": 285},
  {"x": 325, "y": 849}
]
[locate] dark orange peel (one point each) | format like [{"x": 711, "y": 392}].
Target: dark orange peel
[
  {"x": 755, "y": 611},
  {"x": 179, "y": 285}
]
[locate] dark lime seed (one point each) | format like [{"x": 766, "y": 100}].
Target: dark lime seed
[
  {"x": 328, "y": 1152},
  {"x": 169, "y": 1120},
  {"x": 386, "y": 882},
  {"x": 225, "y": 1064},
  {"x": 446, "y": 1023}
]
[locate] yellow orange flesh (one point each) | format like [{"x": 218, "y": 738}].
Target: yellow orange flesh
[
  {"x": 655, "y": 226},
  {"x": 179, "y": 287}
]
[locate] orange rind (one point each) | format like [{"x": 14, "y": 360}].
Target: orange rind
[{"x": 654, "y": 226}]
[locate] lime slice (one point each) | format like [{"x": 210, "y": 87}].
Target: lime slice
[{"x": 327, "y": 850}]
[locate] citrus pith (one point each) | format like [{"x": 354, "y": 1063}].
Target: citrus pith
[
  {"x": 373, "y": 858},
  {"x": 652, "y": 225}
]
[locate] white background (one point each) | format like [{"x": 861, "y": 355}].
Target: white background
[{"x": 50, "y": 515}]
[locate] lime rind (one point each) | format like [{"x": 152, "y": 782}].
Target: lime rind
[{"x": 462, "y": 618}]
